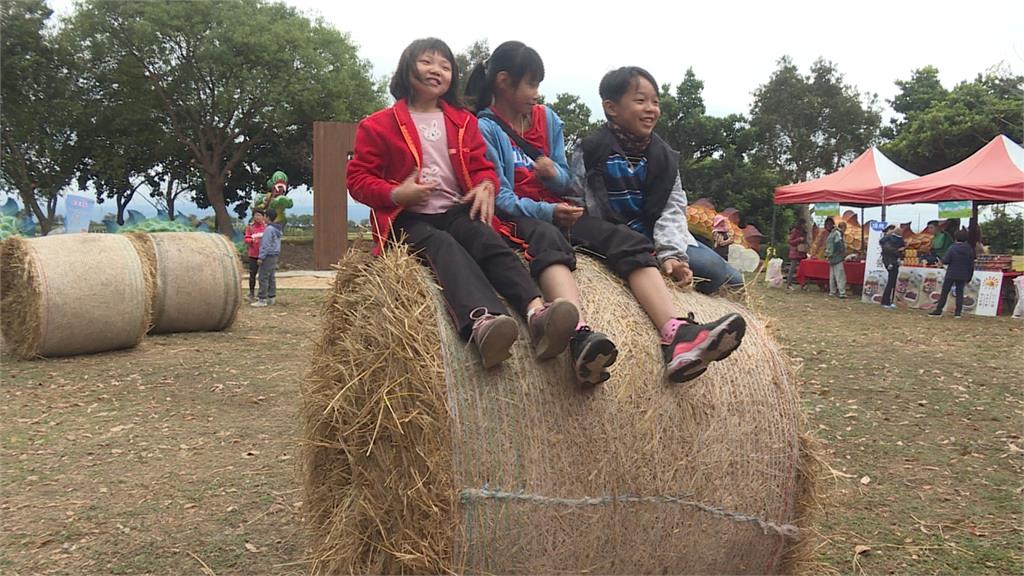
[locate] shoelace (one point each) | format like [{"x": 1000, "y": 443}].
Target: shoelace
[{"x": 480, "y": 316}]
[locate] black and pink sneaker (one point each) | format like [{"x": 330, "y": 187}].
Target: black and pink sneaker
[{"x": 694, "y": 346}]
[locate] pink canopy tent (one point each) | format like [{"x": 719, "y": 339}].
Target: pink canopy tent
[
  {"x": 993, "y": 174},
  {"x": 864, "y": 182}
]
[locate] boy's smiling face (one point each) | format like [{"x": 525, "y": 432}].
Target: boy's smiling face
[{"x": 638, "y": 110}]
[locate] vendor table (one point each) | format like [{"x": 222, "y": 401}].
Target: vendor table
[{"x": 814, "y": 270}]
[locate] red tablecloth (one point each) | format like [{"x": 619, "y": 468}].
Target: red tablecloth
[{"x": 816, "y": 271}]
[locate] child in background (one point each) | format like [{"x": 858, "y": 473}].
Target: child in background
[
  {"x": 525, "y": 142},
  {"x": 253, "y": 233},
  {"x": 721, "y": 237},
  {"x": 270, "y": 249},
  {"x": 421, "y": 165},
  {"x": 636, "y": 219},
  {"x": 959, "y": 261}
]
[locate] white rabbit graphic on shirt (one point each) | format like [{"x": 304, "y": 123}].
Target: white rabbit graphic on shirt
[{"x": 431, "y": 132}]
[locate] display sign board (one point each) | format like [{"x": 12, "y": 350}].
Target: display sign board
[
  {"x": 77, "y": 213},
  {"x": 826, "y": 209},
  {"x": 955, "y": 209}
]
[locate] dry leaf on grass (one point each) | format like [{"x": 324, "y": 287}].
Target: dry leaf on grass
[{"x": 865, "y": 480}]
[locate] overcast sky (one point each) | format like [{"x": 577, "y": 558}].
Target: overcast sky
[{"x": 733, "y": 47}]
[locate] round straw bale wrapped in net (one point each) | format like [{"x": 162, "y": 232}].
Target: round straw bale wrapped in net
[
  {"x": 71, "y": 294},
  {"x": 419, "y": 461},
  {"x": 195, "y": 281}
]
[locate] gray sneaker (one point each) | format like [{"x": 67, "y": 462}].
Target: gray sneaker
[
  {"x": 259, "y": 304},
  {"x": 551, "y": 326},
  {"x": 494, "y": 336},
  {"x": 270, "y": 301}
]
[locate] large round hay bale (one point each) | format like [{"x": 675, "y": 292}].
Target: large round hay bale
[
  {"x": 71, "y": 294},
  {"x": 195, "y": 284},
  {"x": 419, "y": 461}
]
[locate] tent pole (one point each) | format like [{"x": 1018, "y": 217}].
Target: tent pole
[
  {"x": 974, "y": 232},
  {"x": 775, "y": 211},
  {"x": 863, "y": 241}
]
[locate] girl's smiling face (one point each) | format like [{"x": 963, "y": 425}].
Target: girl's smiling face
[
  {"x": 432, "y": 76},
  {"x": 638, "y": 110}
]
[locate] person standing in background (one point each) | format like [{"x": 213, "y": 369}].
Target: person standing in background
[
  {"x": 835, "y": 253},
  {"x": 797, "y": 249},
  {"x": 959, "y": 263},
  {"x": 893, "y": 247}
]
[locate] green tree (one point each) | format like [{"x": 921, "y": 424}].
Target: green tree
[
  {"x": 576, "y": 118},
  {"x": 40, "y": 110},
  {"x": 229, "y": 76},
  {"x": 938, "y": 129},
  {"x": 1003, "y": 232},
  {"x": 476, "y": 52},
  {"x": 807, "y": 126},
  {"x": 716, "y": 160}
]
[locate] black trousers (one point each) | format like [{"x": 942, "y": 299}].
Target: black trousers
[
  {"x": 947, "y": 284},
  {"x": 623, "y": 249},
  {"x": 543, "y": 243},
  {"x": 254, "y": 267},
  {"x": 470, "y": 260},
  {"x": 890, "y": 285}
]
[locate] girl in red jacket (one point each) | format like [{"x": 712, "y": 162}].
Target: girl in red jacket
[
  {"x": 421, "y": 166},
  {"x": 253, "y": 234}
]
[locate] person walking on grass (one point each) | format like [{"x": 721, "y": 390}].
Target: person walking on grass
[
  {"x": 893, "y": 247},
  {"x": 835, "y": 253},
  {"x": 959, "y": 261},
  {"x": 270, "y": 250}
]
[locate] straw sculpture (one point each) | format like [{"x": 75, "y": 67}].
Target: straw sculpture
[
  {"x": 419, "y": 461},
  {"x": 193, "y": 280},
  {"x": 71, "y": 294}
]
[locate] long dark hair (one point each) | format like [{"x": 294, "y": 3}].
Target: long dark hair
[
  {"x": 401, "y": 86},
  {"x": 517, "y": 59}
]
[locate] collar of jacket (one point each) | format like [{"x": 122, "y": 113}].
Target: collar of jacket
[
  {"x": 662, "y": 170},
  {"x": 453, "y": 116}
]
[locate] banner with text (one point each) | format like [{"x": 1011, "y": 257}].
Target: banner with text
[{"x": 78, "y": 213}]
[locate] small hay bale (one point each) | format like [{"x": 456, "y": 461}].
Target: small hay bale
[
  {"x": 418, "y": 461},
  {"x": 194, "y": 280},
  {"x": 71, "y": 294}
]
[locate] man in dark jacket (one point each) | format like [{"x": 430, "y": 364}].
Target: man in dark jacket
[
  {"x": 893, "y": 247},
  {"x": 959, "y": 261}
]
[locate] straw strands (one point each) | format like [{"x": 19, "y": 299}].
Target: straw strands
[
  {"x": 73, "y": 294},
  {"x": 419, "y": 461}
]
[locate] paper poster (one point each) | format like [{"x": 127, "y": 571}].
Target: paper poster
[
  {"x": 875, "y": 274},
  {"x": 77, "y": 213},
  {"x": 826, "y": 209},
  {"x": 920, "y": 288},
  {"x": 955, "y": 209}
]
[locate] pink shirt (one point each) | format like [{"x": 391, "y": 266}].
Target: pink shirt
[{"x": 437, "y": 166}]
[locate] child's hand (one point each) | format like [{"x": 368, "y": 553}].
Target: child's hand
[
  {"x": 482, "y": 198},
  {"x": 545, "y": 168},
  {"x": 410, "y": 192},
  {"x": 678, "y": 270},
  {"x": 566, "y": 215},
  {"x": 259, "y": 262}
]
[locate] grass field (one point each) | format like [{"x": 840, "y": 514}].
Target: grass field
[{"x": 181, "y": 456}]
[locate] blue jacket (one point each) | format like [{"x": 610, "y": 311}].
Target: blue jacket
[
  {"x": 270, "y": 244},
  {"x": 499, "y": 151},
  {"x": 959, "y": 261}
]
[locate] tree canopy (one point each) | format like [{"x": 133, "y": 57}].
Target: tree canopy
[{"x": 235, "y": 81}]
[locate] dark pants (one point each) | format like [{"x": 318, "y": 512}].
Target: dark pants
[
  {"x": 622, "y": 248},
  {"x": 947, "y": 284},
  {"x": 268, "y": 277},
  {"x": 254, "y": 267},
  {"x": 890, "y": 285},
  {"x": 794, "y": 267},
  {"x": 469, "y": 260},
  {"x": 543, "y": 243}
]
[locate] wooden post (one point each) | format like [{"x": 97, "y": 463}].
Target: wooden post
[{"x": 333, "y": 142}]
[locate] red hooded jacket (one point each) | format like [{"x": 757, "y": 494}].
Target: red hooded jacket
[{"x": 388, "y": 149}]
